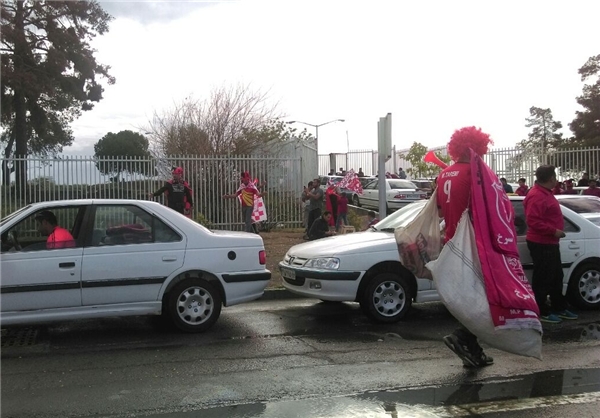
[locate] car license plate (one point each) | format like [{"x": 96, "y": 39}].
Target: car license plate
[{"x": 288, "y": 274}]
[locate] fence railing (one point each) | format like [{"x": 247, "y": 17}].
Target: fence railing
[
  {"x": 511, "y": 163},
  {"x": 210, "y": 177}
]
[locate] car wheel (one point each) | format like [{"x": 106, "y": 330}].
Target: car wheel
[
  {"x": 194, "y": 305},
  {"x": 355, "y": 200},
  {"x": 584, "y": 286},
  {"x": 387, "y": 298}
]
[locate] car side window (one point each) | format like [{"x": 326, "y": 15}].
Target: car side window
[
  {"x": 371, "y": 185},
  {"x": 38, "y": 232},
  {"x": 570, "y": 226},
  {"x": 520, "y": 224},
  {"x": 127, "y": 225}
]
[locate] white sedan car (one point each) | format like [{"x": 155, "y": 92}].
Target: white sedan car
[
  {"x": 126, "y": 257},
  {"x": 365, "y": 267},
  {"x": 399, "y": 193}
]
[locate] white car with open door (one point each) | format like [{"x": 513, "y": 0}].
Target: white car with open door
[{"x": 127, "y": 257}]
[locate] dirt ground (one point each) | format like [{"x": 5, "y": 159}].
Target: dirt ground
[{"x": 277, "y": 243}]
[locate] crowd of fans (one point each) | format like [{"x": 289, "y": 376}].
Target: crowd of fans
[
  {"x": 330, "y": 207},
  {"x": 561, "y": 187}
]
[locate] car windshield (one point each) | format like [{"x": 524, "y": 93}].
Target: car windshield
[
  {"x": 401, "y": 217},
  {"x": 402, "y": 184},
  {"x": 582, "y": 205},
  {"x": 12, "y": 215}
]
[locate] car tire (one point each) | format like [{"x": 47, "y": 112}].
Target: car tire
[
  {"x": 387, "y": 298},
  {"x": 584, "y": 286},
  {"x": 194, "y": 305},
  {"x": 356, "y": 201}
]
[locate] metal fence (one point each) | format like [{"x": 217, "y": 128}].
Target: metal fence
[
  {"x": 286, "y": 170},
  {"x": 210, "y": 177},
  {"x": 512, "y": 163}
]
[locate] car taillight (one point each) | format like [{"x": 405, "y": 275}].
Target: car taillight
[
  {"x": 400, "y": 196},
  {"x": 262, "y": 257}
]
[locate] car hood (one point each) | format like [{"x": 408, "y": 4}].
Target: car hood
[{"x": 358, "y": 242}]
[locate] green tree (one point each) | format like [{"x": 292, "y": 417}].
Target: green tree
[
  {"x": 126, "y": 148},
  {"x": 49, "y": 73},
  {"x": 586, "y": 125},
  {"x": 420, "y": 168},
  {"x": 544, "y": 134}
]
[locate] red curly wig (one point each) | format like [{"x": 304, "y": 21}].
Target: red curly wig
[{"x": 465, "y": 138}]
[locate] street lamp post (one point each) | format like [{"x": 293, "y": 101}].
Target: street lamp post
[{"x": 317, "y": 128}]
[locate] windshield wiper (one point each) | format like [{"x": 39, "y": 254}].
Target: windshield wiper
[{"x": 387, "y": 230}]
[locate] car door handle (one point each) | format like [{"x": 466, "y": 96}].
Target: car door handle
[
  {"x": 573, "y": 245},
  {"x": 66, "y": 265},
  {"x": 169, "y": 258}
]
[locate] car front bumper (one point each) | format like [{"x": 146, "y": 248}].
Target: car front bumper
[{"x": 331, "y": 285}]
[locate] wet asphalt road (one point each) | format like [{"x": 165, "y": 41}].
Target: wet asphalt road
[{"x": 292, "y": 358}]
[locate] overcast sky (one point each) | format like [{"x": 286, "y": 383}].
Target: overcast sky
[{"x": 435, "y": 65}]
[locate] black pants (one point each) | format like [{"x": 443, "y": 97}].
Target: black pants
[
  {"x": 547, "y": 277},
  {"x": 312, "y": 216},
  {"x": 334, "y": 205}
]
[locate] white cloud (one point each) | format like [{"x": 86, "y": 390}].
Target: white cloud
[{"x": 435, "y": 65}]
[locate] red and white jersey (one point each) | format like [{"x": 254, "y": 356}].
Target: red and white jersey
[{"x": 453, "y": 194}]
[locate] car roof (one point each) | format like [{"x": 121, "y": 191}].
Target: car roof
[{"x": 71, "y": 202}]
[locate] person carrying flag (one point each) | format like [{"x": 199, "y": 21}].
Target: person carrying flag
[{"x": 247, "y": 192}]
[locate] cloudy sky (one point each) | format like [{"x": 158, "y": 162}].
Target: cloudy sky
[{"x": 435, "y": 65}]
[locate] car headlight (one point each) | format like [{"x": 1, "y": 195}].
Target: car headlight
[{"x": 328, "y": 263}]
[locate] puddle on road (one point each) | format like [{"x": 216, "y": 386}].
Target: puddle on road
[
  {"x": 581, "y": 333},
  {"x": 570, "y": 386}
]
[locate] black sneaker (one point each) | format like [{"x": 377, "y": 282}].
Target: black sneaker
[
  {"x": 482, "y": 360},
  {"x": 460, "y": 349}
]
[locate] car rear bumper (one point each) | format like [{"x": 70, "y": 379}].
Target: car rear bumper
[{"x": 246, "y": 286}]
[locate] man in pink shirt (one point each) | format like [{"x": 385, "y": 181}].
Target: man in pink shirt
[
  {"x": 523, "y": 188},
  {"x": 545, "y": 225},
  {"x": 593, "y": 189},
  {"x": 453, "y": 197},
  {"x": 569, "y": 187},
  {"x": 57, "y": 237}
]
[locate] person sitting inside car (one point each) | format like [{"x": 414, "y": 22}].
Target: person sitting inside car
[
  {"x": 58, "y": 237},
  {"x": 320, "y": 227},
  {"x": 592, "y": 189}
]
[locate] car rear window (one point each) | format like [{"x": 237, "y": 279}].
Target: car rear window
[
  {"x": 422, "y": 184},
  {"x": 399, "y": 184},
  {"x": 583, "y": 205}
]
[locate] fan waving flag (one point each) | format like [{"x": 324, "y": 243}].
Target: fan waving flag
[
  {"x": 351, "y": 182},
  {"x": 259, "y": 213}
]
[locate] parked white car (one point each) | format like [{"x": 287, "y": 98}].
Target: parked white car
[
  {"x": 127, "y": 257},
  {"x": 365, "y": 266},
  {"x": 399, "y": 193}
]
